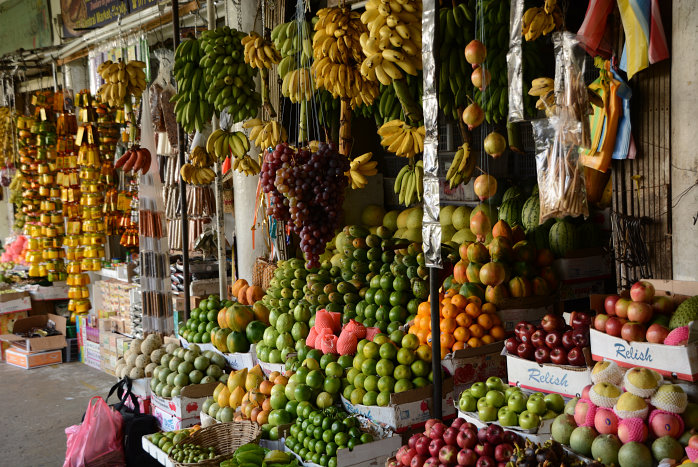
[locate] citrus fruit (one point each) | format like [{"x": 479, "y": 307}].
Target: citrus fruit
[{"x": 385, "y": 367}]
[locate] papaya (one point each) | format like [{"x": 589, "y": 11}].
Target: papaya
[
  {"x": 239, "y": 316},
  {"x": 236, "y": 397},
  {"x": 237, "y": 286},
  {"x": 253, "y": 294},
  {"x": 222, "y": 321},
  {"x": 242, "y": 294},
  {"x": 224, "y": 397},
  {"x": 261, "y": 312}
]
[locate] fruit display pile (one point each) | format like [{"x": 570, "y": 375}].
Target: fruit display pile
[
  {"x": 166, "y": 440},
  {"x": 180, "y": 367},
  {"x": 493, "y": 401}
]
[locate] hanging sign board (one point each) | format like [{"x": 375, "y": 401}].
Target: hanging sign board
[
  {"x": 81, "y": 16},
  {"x": 32, "y": 17}
]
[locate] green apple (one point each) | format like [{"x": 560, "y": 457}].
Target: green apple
[
  {"x": 555, "y": 402},
  {"x": 467, "y": 403},
  {"x": 482, "y": 402},
  {"x": 549, "y": 415},
  {"x": 536, "y": 405},
  {"x": 507, "y": 417},
  {"x": 487, "y": 414},
  {"x": 528, "y": 420},
  {"x": 494, "y": 383},
  {"x": 536, "y": 395},
  {"x": 466, "y": 392},
  {"x": 495, "y": 398},
  {"x": 517, "y": 402},
  {"x": 510, "y": 390},
  {"x": 478, "y": 390},
  {"x": 571, "y": 405}
]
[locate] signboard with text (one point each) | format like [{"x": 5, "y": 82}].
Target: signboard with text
[{"x": 81, "y": 16}]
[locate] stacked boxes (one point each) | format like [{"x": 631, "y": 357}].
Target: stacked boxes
[{"x": 113, "y": 301}]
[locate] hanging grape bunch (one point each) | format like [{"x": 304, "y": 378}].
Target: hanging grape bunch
[
  {"x": 229, "y": 79},
  {"x": 307, "y": 189}
]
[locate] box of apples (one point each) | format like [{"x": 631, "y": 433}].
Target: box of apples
[
  {"x": 639, "y": 328},
  {"x": 553, "y": 357}
]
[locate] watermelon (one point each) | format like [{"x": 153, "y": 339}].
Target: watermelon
[
  {"x": 512, "y": 193},
  {"x": 539, "y": 236},
  {"x": 562, "y": 238},
  {"x": 530, "y": 213},
  {"x": 510, "y": 212},
  {"x": 535, "y": 190}
]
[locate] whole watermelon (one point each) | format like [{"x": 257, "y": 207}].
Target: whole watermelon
[
  {"x": 562, "y": 238},
  {"x": 539, "y": 236},
  {"x": 530, "y": 213},
  {"x": 512, "y": 193},
  {"x": 510, "y": 212}
]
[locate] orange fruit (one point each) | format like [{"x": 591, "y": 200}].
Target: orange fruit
[
  {"x": 496, "y": 320},
  {"x": 461, "y": 334},
  {"x": 459, "y": 301},
  {"x": 497, "y": 332},
  {"x": 444, "y": 351},
  {"x": 473, "y": 310},
  {"x": 447, "y": 325},
  {"x": 464, "y": 320},
  {"x": 424, "y": 308},
  {"x": 476, "y": 330},
  {"x": 474, "y": 342},
  {"x": 487, "y": 339},
  {"x": 458, "y": 346},
  {"x": 449, "y": 311},
  {"x": 447, "y": 340},
  {"x": 489, "y": 308},
  {"x": 422, "y": 335},
  {"x": 485, "y": 321},
  {"x": 476, "y": 300},
  {"x": 418, "y": 323}
]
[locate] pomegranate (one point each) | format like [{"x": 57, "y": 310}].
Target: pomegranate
[
  {"x": 473, "y": 116},
  {"x": 481, "y": 78},
  {"x": 480, "y": 225},
  {"x": 495, "y": 144},
  {"x": 475, "y": 52},
  {"x": 485, "y": 185}
]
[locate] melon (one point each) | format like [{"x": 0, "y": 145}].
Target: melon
[
  {"x": 156, "y": 355},
  {"x": 446, "y": 215},
  {"x": 372, "y": 215},
  {"x": 463, "y": 235},
  {"x": 447, "y": 232},
  {"x": 562, "y": 238},
  {"x": 136, "y": 373},
  {"x": 135, "y": 346},
  {"x": 401, "y": 221},
  {"x": 510, "y": 212},
  {"x": 539, "y": 236},
  {"x": 414, "y": 219},
  {"x": 530, "y": 213},
  {"x": 390, "y": 219},
  {"x": 150, "y": 367},
  {"x": 461, "y": 217},
  {"x": 414, "y": 234},
  {"x": 512, "y": 192}
]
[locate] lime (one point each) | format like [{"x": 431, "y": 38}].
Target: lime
[
  {"x": 368, "y": 367},
  {"x": 332, "y": 384},
  {"x": 346, "y": 392},
  {"x": 403, "y": 385},
  {"x": 324, "y": 399},
  {"x": 351, "y": 374},
  {"x": 370, "y": 398},
  {"x": 371, "y": 383},
  {"x": 334, "y": 369},
  {"x": 397, "y": 313},
  {"x": 388, "y": 351},
  {"x": 394, "y": 326},
  {"x": 315, "y": 379},
  {"x": 360, "y": 346},
  {"x": 302, "y": 393},
  {"x": 386, "y": 384},
  {"x": 406, "y": 356},
  {"x": 382, "y": 297},
  {"x": 371, "y": 350},
  {"x": 402, "y": 372},
  {"x": 370, "y": 311},
  {"x": 359, "y": 380},
  {"x": 370, "y": 295},
  {"x": 385, "y": 367},
  {"x": 357, "y": 396},
  {"x": 398, "y": 298},
  {"x": 383, "y": 399},
  {"x": 341, "y": 439},
  {"x": 420, "y": 382},
  {"x": 366, "y": 438},
  {"x": 420, "y": 368},
  {"x": 358, "y": 359},
  {"x": 327, "y": 359},
  {"x": 410, "y": 342}
]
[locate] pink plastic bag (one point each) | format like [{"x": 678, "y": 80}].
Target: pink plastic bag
[{"x": 98, "y": 440}]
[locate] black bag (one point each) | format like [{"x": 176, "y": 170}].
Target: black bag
[{"x": 136, "y": 425}]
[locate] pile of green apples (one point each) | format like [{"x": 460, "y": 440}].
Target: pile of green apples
[{"x": 494, "y": 401}]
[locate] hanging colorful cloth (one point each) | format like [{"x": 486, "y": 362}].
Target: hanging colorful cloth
[
  {"x": 624, "y": 134},
  {"x": 645, "y": 42},
  {"x": 593, "y": 29}
]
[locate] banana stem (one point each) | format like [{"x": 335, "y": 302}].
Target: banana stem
[
  {"x": 302, "y": 124},
  {"x": 413, "y": 112},
  {"x": 345, "y": 127},
  {"x": 464, "y": 132},
  {"x": 266, "y": 103}
]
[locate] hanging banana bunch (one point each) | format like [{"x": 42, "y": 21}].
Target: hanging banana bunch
[
  {"x": 260, "y": 53},
  {"x": 462, "y": 167},
  {"x": 222, "y": 143},
  {"x": 361, "y": 168},
  {"x": 541, "y": 21},
  {"x": 544, "y": 89},
  {"x": 122, "y": 81},
  {"x": 192, "y": 108},
  {"x": 198, "y": 171},
  {"x": 402, "y": 139},
  {"x": 409, "y": 183},
  {"x": 265, "y": 134}
]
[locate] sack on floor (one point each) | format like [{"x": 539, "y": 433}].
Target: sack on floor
[
  {"x": 97, "y": 441},
  {"x": 135, "y": 425}
]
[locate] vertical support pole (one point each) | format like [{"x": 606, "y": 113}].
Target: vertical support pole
[
  {"x": 437, "y": 396},
  {"x": 181, "y": 140}
]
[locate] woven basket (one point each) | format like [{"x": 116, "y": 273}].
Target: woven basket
[
  {"x": 263, "y": 272},
  {"x": 225, "y": 438}
]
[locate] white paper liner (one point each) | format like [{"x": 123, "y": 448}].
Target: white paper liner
[
  {"x": 611, "y": 374},
  {"x": 602, "y": 401},
  {"x": 640, "y": 413},
  {"x": 645, "y": 393},
  {"x": 674, "y": 402}
]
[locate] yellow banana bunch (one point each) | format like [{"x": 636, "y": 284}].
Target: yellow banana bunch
[
  {"x": 361, "y": 168},
  {"x": 462, "y": 167},
  {"x": 200, "y": 157},
  {"x": 222, "y": 143},
  {"x": 197, "y": 175},
  {"x": 402, "y": 139},
  {"x": 544, "y": 89},
  {"x": 247, "y": 165},
  {"x": 409, "y": 184},
  {"x": 541, "y": 21},
  {"x": 266, "y": 134},
  {"x": 260, "y": 53},
  {"x": 122, "y": 81},
  {"x": 297, "y": 85},
  {"x": 393, "y": 44}
]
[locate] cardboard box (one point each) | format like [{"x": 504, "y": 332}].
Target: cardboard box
[
  {"x": 27, "y": 360},
  {"x": 373, "y": 454},
  {"x": 268, "y": 368},
  {"x": 169, "y": 422},
  {"x": 7, "y": 324},
  {"x": 56, "y": 291},
  {"x": 566, "y": 380},
  {"x": 14, "y": 301},
  {"x": 204, "y": 347},
  {"x": 678, "y": 361},
  {"x": 238, "y": 361},
  {"x": 204, "y": 287},
  {"x": 37, "y": 344},
  {"x": 583, "y": 268},
  {"x": 406, "y": 409},
  {"x": 188, "y": 403},
  {"x": 531, "y": 309},
  {"x": 577, "y": 290},
  {"x": 93, "y": 355},
  {"x": 475, "y": 364}
]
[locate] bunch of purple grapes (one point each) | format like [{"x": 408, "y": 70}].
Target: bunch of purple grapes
[{"x": 306, "y": 189}]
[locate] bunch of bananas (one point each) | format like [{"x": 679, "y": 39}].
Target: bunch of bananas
[
  {"x": 191, "y": 109},
  {"x": 266, "y": 134},
  {"x": 402, "y": 139},
  {"x": 297, "y": 85},
  {"x": 337, "y": 53},
  {"x": 246, "y": 165},
  {"x": 457, "y": 29},
  {"x": 328, "y": 112},
  {"x": 360, "y": 168},
  {"x": 409, "y": 184},
  {"x": 462, "y": 167},
  {"x": 122, "y": 80},
  {"x": 198, "y": 171},
  {"x": 544, "y": 89},
  {"x": 229, "y": 80},
  {"x": 541, "y": 21},
  {"x": 389, "y": 107},
  {"x": 221, "y": 143},
  {"x": 260, "y": 53},
  {"x": 292, "y": 40},
  {"x": 393, "y": 43}
]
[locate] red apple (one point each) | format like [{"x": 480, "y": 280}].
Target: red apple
[
  {"x": 553, "y": 340},
  {"x": 580, "y": 319},
  {"x": 693, "y": 442},
  {"x": 448, "y": 455},
  {"x": 457, "y": 423},
  {"x": 524, "y": 330},
  {"x": 422, "y": 445},
  {"x": 558, "y": 356},
  {"x": 511, "y": 344},
  {"x": 640, "y": 311},
  {"x": 551, "y": 322},
  {"x": 600, "y": 322},
  {"x": 642, "y": 291},
  {"x": 538, "y": 338},
  {"x": 525, "y": 350},
  {"x": 429, "y": 423},
  {"x": 437, "y": 430},
  {"x": 469, "y": 426},
  {"x": 435, "y": 445},
  {"x": 576, "y": 357},
  {"x": 580, "y": 337},
  {"x": 656, "y": 333},
  {"x": 431, "y": 462},
  {"x": 450, "y": 436},
  {"x": 622, "y": 307},
  {"x": 566, "y": 340},
  {"x": 512, "y": 438},
  {"x": 467, "y": 458},
  {"x": 503, "y": 452},
  {"x": 486, "y": 461},
  {"x": 614, "y": 326},
  {"x": 401, "y": 453},
  {"x": 418, "y": 461},
  {"x": 467, "y": 438},
  {"x": 609, "y": 304},
  {"x": 408, "y": 455},
  {"x": 494, "y": 434},
  {"x": 662, "y": 304},
  {"x": 633, "y": 332},
  {"x": 542, "y": 355},
  {"x": 484, "y": 449},
  {"x": 482, "y": 435},
  {"x": 413, "y": 440}
]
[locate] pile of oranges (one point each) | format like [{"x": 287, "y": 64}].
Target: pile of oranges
[{"x": 463, "y": 322}]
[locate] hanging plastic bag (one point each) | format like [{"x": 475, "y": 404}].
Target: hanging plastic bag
[{"x": 98, "y": 440}]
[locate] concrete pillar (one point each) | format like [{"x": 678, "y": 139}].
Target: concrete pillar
[{"x": 684, "y": 161}]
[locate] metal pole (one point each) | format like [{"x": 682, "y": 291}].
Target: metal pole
[
  {"x": 181, "y": 139},
  {"x": 435, "y": 347}
]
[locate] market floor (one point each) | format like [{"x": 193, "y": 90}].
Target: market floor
[{"x": 37, "y": 405}]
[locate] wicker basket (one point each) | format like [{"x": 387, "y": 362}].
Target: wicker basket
[
  {"x": 263, "y": 272},
  {"x": 225, "y": 438}
]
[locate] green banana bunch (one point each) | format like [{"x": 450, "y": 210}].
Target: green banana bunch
[
  {"x": 229, "y": 81},
  {"x": 222, "y": 143},
  {"x": 294, "y": 41},
  {"x": 409, "y": 184},
  {"x": 462, "y": 167},
  {"x": 192, "y": 109},
  {"x": 457, "y": 27},
  {"x": 328, "y": 112}
]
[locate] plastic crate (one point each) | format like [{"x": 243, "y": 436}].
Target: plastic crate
[{"x": 71, "y": 352}]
